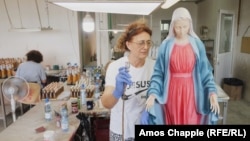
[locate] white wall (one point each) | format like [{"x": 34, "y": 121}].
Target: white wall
[
  {"x": 241, "y": 60},
  {"x": 208, "y": 14},
  {"x": 59, "y": 46},
  {"x": 102, "y": 40}
]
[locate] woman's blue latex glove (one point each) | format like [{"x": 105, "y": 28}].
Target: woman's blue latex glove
[
  {"x": 144, "y": 117},
  {"x": 123, "y": 78}
]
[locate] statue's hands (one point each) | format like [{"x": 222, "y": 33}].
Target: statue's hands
[
  {"x": 150, "y": 102},
  {"x": 214, "y": 105},
  {"x": 145, "y": 115}
]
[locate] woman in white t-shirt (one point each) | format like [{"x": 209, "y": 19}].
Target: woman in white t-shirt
[{"x": 125, "y": 88}]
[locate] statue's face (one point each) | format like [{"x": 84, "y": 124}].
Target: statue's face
[{"x": 181, "y": 28}]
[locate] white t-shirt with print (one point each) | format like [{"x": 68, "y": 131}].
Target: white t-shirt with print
[{"x": 136, "y": 93}]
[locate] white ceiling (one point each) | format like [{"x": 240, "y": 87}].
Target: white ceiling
[
  {"x": 19, "y": 12},
  {"x": 136, "y": 7}
]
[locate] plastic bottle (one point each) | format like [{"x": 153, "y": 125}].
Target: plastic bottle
[
  {"x": 97, "y": 94},
  {"x": 47, "y": 110},
  {"x": 97, "y": 90},
  {"x": 58, "y": 119},
  {"x": 64, "y": 118},
  {"x": 83, "y": 95}
]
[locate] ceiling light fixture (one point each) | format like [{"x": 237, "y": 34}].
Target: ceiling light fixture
[
  {"x": 120, "y": 7},
  {"x": 25, "y": 29},
  {"x": 169, "y": 3},
  {"x": 113, "y": 30},
  {"x": 88, "y": 24},
  {"x": 30, "y": 29}
]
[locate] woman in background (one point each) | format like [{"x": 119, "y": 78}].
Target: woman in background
[{"x": 31, "y": 70}]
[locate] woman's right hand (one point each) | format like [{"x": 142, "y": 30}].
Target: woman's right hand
[
  {"x": 150, "y": 102},
  {"x": 123, "y": 78}
]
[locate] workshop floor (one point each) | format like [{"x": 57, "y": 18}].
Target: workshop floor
[{"x": 238, "y": 112}]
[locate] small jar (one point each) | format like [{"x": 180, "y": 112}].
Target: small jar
[
  {"x": 74, "y": 105},
  {"x": 58, "y": 121}
]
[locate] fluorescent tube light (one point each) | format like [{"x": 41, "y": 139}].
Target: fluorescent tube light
[
  {"x": 25, "y": 29},
  {"x": 30, "y": 29},
  {"x": 112, "y": 30},
  {"x": 119, "y": 7}
]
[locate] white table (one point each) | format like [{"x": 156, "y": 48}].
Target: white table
[
  {"x": 223, "y": 97},
  {"x": 24, "y": 127}
]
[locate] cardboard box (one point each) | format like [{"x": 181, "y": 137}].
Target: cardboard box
[{"x": 234, "y": 92}]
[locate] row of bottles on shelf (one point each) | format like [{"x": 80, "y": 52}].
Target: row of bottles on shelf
[
  {"x": 73, "y": 74},
  {"x": 52, "y": 90},
  {"x": 8, "y": 65},
  {"x": 83, "y": 93},
  {"x": 94, "y": 74},
  {"x": 95, "y": 95},
  {"x": 89, "y": 84}
]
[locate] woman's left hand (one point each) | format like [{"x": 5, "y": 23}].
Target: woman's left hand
[{"x": 214, "y": 105}]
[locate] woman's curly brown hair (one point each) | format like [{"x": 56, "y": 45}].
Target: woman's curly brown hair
[
  {"x": 132, "y": 30},
  {"x": 34, "y": 55}
]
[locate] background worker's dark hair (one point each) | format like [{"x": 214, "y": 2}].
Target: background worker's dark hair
[{"x": 34, "y": 55}]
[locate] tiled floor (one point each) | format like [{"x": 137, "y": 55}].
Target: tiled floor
[
  {"x": 10, "y": 118},
  {"x": 238, "y": 113}
]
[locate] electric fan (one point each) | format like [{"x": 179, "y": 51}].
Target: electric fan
[{"x": 15, "y": 89}]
